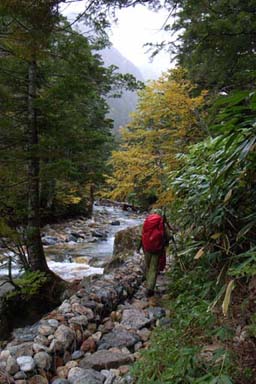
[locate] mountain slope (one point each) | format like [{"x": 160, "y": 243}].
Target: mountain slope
[{"x": 120, "y": 108}]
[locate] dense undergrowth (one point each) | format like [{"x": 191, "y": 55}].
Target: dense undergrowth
[
  {"x": 211, "y": 338},
  {"x": 192, "y": 348},
  {"x": 200, "y": 345}
]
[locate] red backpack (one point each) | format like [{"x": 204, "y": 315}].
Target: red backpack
[{"x": 153, "y": 233}]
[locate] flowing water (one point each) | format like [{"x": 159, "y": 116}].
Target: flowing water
[
  {"x": 89, "y": 258},
  {"x": 75, "y": 260}
]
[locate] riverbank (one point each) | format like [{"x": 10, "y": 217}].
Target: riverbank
[
  {"x": 93, "y": 337},
  {"x": 82, "y": 247}
]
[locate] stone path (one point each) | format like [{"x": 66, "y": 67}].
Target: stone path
[{"x": 92, "y": 338}]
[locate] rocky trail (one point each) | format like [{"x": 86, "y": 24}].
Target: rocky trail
[{"x": 94, "y": 336}]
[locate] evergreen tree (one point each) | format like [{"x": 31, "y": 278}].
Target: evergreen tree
[
  {"x": 216, "y": 41},
  {"x": 55, "y": 137},
  {"x": 26, "y": 30}
]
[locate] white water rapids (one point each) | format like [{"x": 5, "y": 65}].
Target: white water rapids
[{"x": 75, "y": 260}]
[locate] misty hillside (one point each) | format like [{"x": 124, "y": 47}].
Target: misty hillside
[{"x": 120, "y": 108}]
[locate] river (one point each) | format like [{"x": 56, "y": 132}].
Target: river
[{"x": 74, "y": 260}]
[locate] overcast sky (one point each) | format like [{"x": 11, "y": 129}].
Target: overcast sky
[{"x": 136, "y": 27}]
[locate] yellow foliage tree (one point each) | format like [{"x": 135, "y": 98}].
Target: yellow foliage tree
[{"x": 165, "y": 122}]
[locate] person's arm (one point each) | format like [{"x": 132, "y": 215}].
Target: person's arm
[{"x": 171, "y": 227}]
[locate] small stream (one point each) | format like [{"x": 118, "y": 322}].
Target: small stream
[
  {"x": 74, "y": 260},
  {"x": 77, "y": 260}
]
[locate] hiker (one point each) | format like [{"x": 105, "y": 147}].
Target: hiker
[{"x": 155, "y": 237}]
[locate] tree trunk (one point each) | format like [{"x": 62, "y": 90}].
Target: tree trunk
[{"x": 35, "y": 249}]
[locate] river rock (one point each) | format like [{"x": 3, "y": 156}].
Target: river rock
[
  {"x": 77, "y": 355},
  {"x": 24, "y": 349},
  {"x": 81, "y": 376},
  {"x": 99, "y": 234},
  {"x": 53, "y": 323},
  {"x": 65, "y": 307},
  {"x": 78, "y": 308},
  {"x": 38, "y": 379},
  {"x": 115, "y": 222},
  {"x": 26, "y": 363},
  {"x": 118, "y": 338},
  {"x": 90, "y": 304},
  {"x": 41, "y": 340},
  {"x": 49, "y": 240},
  {"x": 62, "y": 371},
  {"x": 110, "y": 376},
  {"x": 40, "y": 347},
  {"x": 126, "y": 242},
  {"x": 4, "y": 355},
  {"x": 25, "y": 334},
  {"x": 80, "y": 320},
  {"x": 134, "y": 319},
  {"x": 144, "y": 334},
  {"x": 156, "y": 312},
  {"x": 11, "y": 365},
  {"x": 89, "y": 345},
  {"x": 78, "y": 235},
  {"x": 60, "y": 381},
  {"x": 56, "y": 346},
  {"x": 105, "y": 360},
  {"x": 46, "y": 330},
  {"x": 71, "y": 239},
  {"x": 97, "y": 336},
  {"x": 65, "y": 335},
  {"x": 20, "y": 376},
  {"x": 43, "y": 360}
]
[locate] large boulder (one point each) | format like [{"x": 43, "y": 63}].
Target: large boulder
[{"x": 125, "y": 244}]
